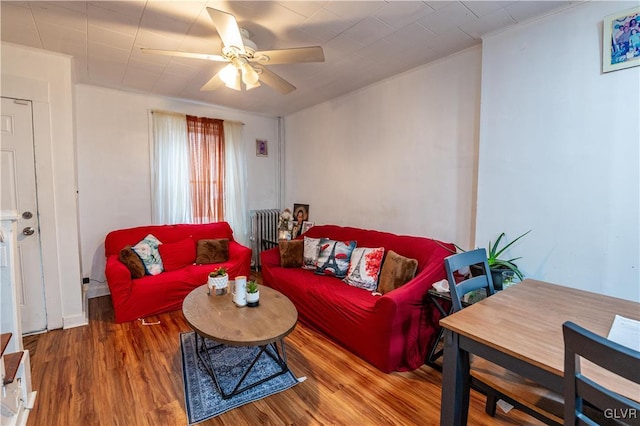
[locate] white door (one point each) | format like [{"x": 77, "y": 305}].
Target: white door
[{"x": 18, "y": 197}]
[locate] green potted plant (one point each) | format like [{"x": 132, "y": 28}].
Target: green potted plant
[
  {"x": 253, "y": 294},
  {"x": 218, "y": 280},
  {"x": 497, "y": 265}
]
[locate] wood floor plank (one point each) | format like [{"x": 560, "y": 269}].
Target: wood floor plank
[{"x": 131, "y": 374}]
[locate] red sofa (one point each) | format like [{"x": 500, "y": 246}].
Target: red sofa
[
  {"x": 155, "y": 294},
  {"x": 393, "y": 332}
]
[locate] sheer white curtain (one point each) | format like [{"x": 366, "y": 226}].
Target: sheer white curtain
[
  {"x": 235, "y": 208},
  {"x": 170, "y": 197}
]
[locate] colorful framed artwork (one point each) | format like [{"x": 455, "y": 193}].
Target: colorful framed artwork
[
  {"x": 262, "y": 148},
  {"x": 621, "y": 40}
]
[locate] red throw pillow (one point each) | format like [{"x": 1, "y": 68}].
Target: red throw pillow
[{"x": 177, "y": 255}]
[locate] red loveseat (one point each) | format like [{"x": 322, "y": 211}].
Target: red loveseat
[
  {"x": 394, "y": 331},
  {"x": 155, "y": 294}
]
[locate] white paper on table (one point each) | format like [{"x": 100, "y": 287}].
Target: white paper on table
[
  {"x": 625, "y": 331},
  {"x": 442, "y": 286}
]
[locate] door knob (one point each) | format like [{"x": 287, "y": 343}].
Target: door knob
[{"x": 28, "y": 231}]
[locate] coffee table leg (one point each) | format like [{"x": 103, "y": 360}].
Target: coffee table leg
[{"x": 281, "y": 360}]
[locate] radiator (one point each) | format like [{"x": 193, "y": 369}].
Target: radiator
[{"x": 264, "y": 226}]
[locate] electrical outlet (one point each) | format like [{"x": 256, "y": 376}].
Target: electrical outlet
[{"x": 85, "y": 280}]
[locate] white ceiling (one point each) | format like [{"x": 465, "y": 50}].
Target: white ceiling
[{"x": 363, "y": 41}]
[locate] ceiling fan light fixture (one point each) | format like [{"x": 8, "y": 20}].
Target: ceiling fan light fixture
[
  {"x": 249, "y": 75},
  {"x": 252, "y": 86},
  {"x": 241, "y": 52},
  {"x": 236, "y": 84},
  {"x": 230, "y": 76}
]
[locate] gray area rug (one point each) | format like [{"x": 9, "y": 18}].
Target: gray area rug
[{"x": 203, "y": 400}]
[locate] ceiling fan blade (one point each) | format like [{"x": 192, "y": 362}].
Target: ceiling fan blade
[
  {"x": 214, "y": 83},
  {"x": 227, "y": 27},
  {"x": 289, "y": 56},
  {"x": 209, "y": 57},
  {"x": 271, "y": 79}
]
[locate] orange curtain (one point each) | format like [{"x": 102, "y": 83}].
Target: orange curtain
[{"x": 206, "y": 149}]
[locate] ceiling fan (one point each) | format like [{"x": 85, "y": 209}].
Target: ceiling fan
[{"x": 246, "y": 64}]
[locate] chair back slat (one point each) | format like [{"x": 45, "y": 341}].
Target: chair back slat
[
  {"x": 579, "y": 390},
  {"x": 460, "y": 261}
]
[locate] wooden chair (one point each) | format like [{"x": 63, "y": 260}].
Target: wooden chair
[
  {"x": 493, "y": 380},
  {"x": 587, "y": 402}
]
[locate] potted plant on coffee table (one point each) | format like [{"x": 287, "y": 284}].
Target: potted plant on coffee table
[
  {"x": 253, "y": 294},
  {"x": 218, "y": 280}
]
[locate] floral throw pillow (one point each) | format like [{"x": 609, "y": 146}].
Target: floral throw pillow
[
  {"x": 365, "y": 268},
  {"x": 334, "y": 257},
  {"x": 147, "y": 251}
]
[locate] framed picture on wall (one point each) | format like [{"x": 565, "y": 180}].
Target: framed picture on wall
[
  {"x": 262, "y": 148},
  {"x": 621, "y": 40}
]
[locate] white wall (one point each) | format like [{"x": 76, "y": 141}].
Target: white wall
[
  {"x": 114, "y": 162},
  {"x": 397, "y": 156},
  {"x": 559, "y": 152},
  {"x": 46, "y": 79}
]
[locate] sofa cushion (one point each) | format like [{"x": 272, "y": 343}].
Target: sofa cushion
[
  {"x": 291, "y": 253},
  {"x": 364, "y": 268},
  {"x": 334, "y": 257},
  {"x": 396, "y": 271},
  {"x": 177, "y": 255},
  {"x": 311, "y": 251},
  {"x": 132, "y": 261},
  {"x": 212, "y": 251},
  {"x": 147, "y": 250}
]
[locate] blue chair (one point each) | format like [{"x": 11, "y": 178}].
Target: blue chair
[
  {"x": 587, "y": 402},
  {"x": 491, "y": 379},
  {"x": 459, "y": 261}
]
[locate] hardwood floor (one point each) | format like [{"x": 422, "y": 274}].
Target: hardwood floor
[{"x": 131, "y": 374}]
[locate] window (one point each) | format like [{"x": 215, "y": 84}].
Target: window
[{"x": 198, "y": 172}]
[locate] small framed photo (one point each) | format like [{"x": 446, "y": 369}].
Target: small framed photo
[
  {"x": 306, "y": 225},
  {"x": 300, "y": 215},
  {"x": 262, "y": 148},
  {"x": 284, "y": 235},
  {"x": 621, "y": 40}
]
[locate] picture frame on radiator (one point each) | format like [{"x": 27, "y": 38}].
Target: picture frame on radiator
[
  {"x": 306, "y": 225},
  {"x": 300, "y": 215}
]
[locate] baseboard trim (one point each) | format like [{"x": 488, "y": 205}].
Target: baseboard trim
[
  {"x": 98, "y": 291},
  {"x": 74, "y": 321}
]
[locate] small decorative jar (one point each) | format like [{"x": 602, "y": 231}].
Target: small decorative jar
[{"x": 218, "y": 282}]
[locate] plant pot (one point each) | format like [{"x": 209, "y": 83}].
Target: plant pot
[
  {"x": 218, "y": 285},
  {"x": 253, "y": 299},
  {"x": 496, "y": 275}
]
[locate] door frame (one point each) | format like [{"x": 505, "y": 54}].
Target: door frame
[{"x": 37, "y": 92}]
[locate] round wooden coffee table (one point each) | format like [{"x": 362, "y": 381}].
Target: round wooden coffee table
[{"x": 217, "y": 320}]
